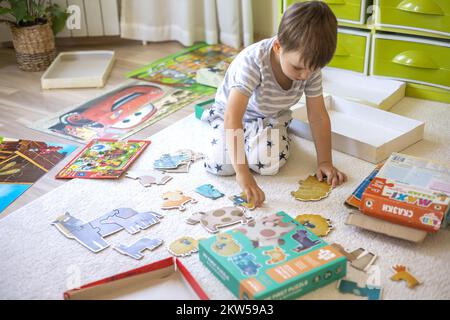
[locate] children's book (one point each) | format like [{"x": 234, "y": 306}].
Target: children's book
[
  {"x": 103, "y": 159},
  {"x": 23, "y": 162},
  {"x": 180, "y": 69}
]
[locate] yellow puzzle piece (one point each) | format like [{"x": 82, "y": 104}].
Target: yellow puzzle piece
[
  {"x": 317, "y": 224},
  {"x": 312, "y": 189}
]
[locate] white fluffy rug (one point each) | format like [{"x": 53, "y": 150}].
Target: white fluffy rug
[{"x": 38, "y": 262}]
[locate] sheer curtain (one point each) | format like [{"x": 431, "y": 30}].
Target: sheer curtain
[{"x": 226, "y": 21}]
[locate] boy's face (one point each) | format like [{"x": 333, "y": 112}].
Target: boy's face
[{"x": 292, "y": 64}]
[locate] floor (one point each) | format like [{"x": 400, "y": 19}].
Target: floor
[{"x": 22, "y": 100}]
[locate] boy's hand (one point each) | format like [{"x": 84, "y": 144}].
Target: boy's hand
[
  {"x": 253, "y": 192},
  {"x": 333, "y": 175}
]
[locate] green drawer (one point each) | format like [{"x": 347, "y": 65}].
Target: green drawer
[
  {"x": 411, "y": 59},
  {"x": 345, "y": 10},
  {"x": 351, "y": 51},
  {"x": 426, "y": 15}
]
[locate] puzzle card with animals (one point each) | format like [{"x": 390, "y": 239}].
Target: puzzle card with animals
[
  {"x": 103, "y": 159},
  {"x": 271, "y": 257}
]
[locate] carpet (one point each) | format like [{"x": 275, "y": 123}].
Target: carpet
[{"x": 38, "y": 262}]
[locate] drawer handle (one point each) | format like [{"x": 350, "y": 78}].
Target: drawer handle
[
  {"x": 415, "y": 59},
  {"x": 334, "y": 1},
  {"x": 421, "y": 6}
]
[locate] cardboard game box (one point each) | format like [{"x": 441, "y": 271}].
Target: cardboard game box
[
  {"x": 155, "y": 281},
  {"x": 410, "y": 191},
  {"x": 273, "y": 257}
]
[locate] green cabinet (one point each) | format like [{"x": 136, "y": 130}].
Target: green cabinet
[
  {"x": 412, "y": 59},
  {"x": 350, "y": 11},
  {"x": 352, "y": 51},
  {"x": 423, "y": 15}
]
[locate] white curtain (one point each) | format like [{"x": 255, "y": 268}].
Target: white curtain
[{"x": 226, "y": 21}]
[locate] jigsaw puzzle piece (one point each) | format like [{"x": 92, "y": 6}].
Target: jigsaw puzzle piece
[
  {"x": 182, "y": 168},
  {"x": 402, "y": 274},
  {"x": 317, "y": 224},
  {"x": 131, "y": 220},
  {"x": 312, "y": 189},
  {"x": 84, "y": 233},
  {"x": 147, "y": 178},
  {"x": 214, "y": 219},
  {"x": 136, "y": 249},
  {"x": 241, "y": 201},
  {"x": 183, "y": 246},
  {"x": 176, "y": 200},
  {"x": 209, "y": 191}
]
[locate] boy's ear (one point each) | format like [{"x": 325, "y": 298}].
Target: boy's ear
[{"x": 276, "y": 46}]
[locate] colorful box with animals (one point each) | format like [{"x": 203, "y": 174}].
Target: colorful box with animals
[{"x": 271, "y": 257}]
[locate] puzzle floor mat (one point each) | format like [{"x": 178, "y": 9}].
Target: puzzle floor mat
[{"x": 38, "y": 262}]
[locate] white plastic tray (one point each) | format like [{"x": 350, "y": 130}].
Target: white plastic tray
[
  {"x": 78, "y": 69},
  {"x": 364, "y": 132}
]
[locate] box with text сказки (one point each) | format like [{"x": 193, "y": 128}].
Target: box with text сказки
[
  {"x": 410, "y": 191},
  {"x": 272, "y": 257}
]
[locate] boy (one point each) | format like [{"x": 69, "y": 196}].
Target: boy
[{"x": 250, "y": 115}]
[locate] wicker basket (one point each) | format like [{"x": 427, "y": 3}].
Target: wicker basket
[{"x": 34, "y": 45}]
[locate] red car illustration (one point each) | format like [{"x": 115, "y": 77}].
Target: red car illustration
[{"x": 122, "y": 109}]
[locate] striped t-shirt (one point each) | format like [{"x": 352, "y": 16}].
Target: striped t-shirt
[{"x": 251, "y": 73}]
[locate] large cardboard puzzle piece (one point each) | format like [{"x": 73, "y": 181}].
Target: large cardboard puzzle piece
[
  {"x": 315, "y": 223},
  {"x": 176, "y": 200},
  {"x": 402, "y": 274},
  {"x": 266, "y": 231},
  {"x": 136, "y": 249},
  {"x": 183, "y": 246},
  {"x": 312, "y": 189},
  {"x": 147, "y": 178},
  {"x": 91, "y": 234},
  {"x": 178, "y": 161},
  {"x": 214, "y": 219},
  {"x": 81, "y": 231},
  {"x": 209, "y": 191}
]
